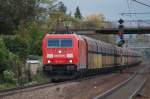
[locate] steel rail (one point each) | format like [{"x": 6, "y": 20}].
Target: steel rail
[
  {"x": 110, "y": 91},
  {"x": 103, "y": 95},
  {"x": 138, "y": 89},
  {"x": 25, "y": 89},
  {"x": 22, "y": 89},
  {"x": 11, "y": 91}
]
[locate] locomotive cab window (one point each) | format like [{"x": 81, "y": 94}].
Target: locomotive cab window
[
  {"x": 60, "y": 43},
  {"x": 66, "y": 43},
  {"x": 53, "y": 43}
]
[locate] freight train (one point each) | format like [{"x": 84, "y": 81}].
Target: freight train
[{"x": 71, "y": 53}]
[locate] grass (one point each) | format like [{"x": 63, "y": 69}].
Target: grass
[
  {"x": 40, "y": 77},
  {"x": 6, "y": 86}
]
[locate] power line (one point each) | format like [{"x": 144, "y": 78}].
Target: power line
[
  {"x": 128, "y": 4},
  {"x": 129, "y": 7},
  {"x": 137, "y": 20},
  {"x": 141, "y": 3},
  {"x": 134, "y": 13}
]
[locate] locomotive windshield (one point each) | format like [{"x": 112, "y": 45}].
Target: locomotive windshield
[{"x": 55, "y": 43}]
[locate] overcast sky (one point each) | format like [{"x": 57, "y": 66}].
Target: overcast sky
[{"x": 109, "y": 8}]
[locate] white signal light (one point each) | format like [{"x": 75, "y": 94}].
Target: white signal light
[
  {"x": 59, "y": 52},
  {"x": 69, "y": 55},
  {"x": 70, "y": 61},
  {"x": 49, "y": 61},
  {"x": 50, "y": 56}
]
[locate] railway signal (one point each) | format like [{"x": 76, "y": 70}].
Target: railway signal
[{"x": 121, "y": 32}]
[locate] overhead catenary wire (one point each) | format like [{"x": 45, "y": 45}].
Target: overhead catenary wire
[
  {"x": 135, "y": 13},
  {"x": 130, "y": 15},
  {"x": 129, "y": 7},
  {"x": 141, "y": 3},
  {"x": 134, "y": 10}
]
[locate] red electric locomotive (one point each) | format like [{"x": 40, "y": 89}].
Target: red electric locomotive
[
  {"x": 62, "y": 53},
  {"x": 71, "y": 53}
]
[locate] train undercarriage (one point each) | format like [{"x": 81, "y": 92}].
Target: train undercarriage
[{"x": 64, "y": 72}]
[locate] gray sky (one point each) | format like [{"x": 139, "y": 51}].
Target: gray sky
[{"x": 109, "y": 8}]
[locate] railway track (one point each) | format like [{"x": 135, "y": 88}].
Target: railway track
[
  {"x": 22, "y": 89},
  {"x": 7, "y": 92},
  {"x": 133, "y": 96},
  {"x": 127, "y": 89}
]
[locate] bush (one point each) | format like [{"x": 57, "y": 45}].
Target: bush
[
  {"x": 40, "y": 77},
  {"x": 16, "y": 45},
  {"x": 4, "y": 55},
  {"x": 35, "y": 39},
  {"x": 8, "y": 76},
  {"x": 8, "y": 61},
  {"x": 32, "y": 35}
]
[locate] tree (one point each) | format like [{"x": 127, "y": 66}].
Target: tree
[
  {"x": 16, "y": 45},
  {"x": 12, "y": 12},
  {"x": 94, "y": 21},
  {"x": 9, "y": 61},
  {"x": 62, "y": 7},
  {"x": 3, "y": 56},
  {"x": 77, "y": 13},
  {"x": 97, "y": 21}
]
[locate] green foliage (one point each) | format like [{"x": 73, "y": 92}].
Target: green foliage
[
  {"x": 8, "y": 60},
  {"x": 34, "y": 39},
  {"x": 7, "y": 85},
  {"x": 9, "y": 76},
  {"x": 4, "y": 55},
  {"x": 16, "y": 45},
  {"x": 28, "y": 40},
  {"x": 40, "y": 77},
  {"x": 62, "y": 7},
  {"x": 94, "y": 21},
  {"x": 77, "y": 13},
  {"x": 15, "y": 11}
]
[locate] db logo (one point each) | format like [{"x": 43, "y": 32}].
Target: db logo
[{"x": 59, "y": 55}]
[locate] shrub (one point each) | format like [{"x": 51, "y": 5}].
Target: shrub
[
  {"x": 8, "y": 61},
  {"x": 40, "y": 77},
  {"x": 4, "y": 54},
  {"x": 8, "y": 76},
  {"x": 35, "y": 39},
  {"x": 17, "y": 46}
]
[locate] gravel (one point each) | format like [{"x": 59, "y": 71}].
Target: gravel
[{"x": 84, "y": 89}]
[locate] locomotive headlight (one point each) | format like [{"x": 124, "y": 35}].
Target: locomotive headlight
[
  {"x": 69, "y": 55},
  {"x": 59, "y": 52},
  {"x": 70, "y": 61},
  {"x": 49, "y": 61},
  {"x": 49, "y": 55}
]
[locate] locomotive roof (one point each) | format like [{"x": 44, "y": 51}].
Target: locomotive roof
[{"x": 91, "y": 39}]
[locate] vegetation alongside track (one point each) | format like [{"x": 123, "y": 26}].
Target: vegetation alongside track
[{"x": 21, "y": 35}]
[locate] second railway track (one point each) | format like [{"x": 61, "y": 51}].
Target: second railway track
[{"x": 127, "y": 89}]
